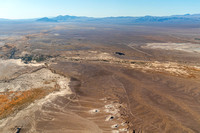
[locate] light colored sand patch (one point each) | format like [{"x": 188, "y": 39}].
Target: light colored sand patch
[
  {"x": 43, "y": 78},
  {"x": 123, "y": 129},
  {"x": 112, "y": 108},
  {"x": 169, "y": 67},
  {"x": 89, "y": 55},
  {"x": 18, "y": 62},
  {"x": 8, "y": 68},
  {"x": 187, "y": 47},
  {"x": 104, "y": 56}
]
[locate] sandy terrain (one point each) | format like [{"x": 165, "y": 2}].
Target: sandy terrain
[
  {"x": 70, "y": 78},
  {"x": 187, "y": 47},
  {"x": 10, "y": 68}
]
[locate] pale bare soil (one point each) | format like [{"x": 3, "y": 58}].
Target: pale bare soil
[{"x": 187, "y": 47}]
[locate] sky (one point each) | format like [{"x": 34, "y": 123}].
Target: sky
[{"x": 23, "y": 9}]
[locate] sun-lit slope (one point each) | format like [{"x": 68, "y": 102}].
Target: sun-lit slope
[{"x": 154, "y": 100}]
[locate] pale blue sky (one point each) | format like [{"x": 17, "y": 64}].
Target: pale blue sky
[{"x": 19, "y": 9}]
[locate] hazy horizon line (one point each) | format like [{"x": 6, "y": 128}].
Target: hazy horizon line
[{"x": 100, "y": 17}]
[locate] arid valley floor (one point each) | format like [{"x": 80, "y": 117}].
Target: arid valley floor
[{"x": 93, "y": 78}]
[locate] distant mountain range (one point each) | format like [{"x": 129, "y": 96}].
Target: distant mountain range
[
  {"x": 66, "y": 18},
  {"x": 175, "y": 19},
  {"x": 187, "y": 18}
]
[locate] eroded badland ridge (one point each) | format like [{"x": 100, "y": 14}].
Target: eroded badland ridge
[{"x": 92, "y": 78}]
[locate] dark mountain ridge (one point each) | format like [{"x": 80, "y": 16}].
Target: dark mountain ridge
[
  {"x": 187, "y": 18},
  {"x": 174, "y": 19}
]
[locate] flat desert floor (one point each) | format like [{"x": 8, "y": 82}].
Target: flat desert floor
[{"x": 81, "y": 78}]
